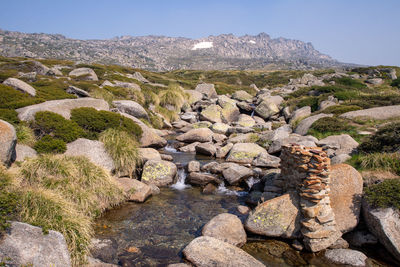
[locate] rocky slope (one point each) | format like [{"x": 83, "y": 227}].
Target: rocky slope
[{"x": 161, "y": 53}]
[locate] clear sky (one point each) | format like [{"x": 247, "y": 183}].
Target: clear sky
[{"x": 356, "y": 31}]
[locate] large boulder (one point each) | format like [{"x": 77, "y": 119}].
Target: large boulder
[
  {"x": 149, "y": 136},
  {"x": 226, "y": 227},
  {"x": 207, "y": 149},
  {"x": 134, "y": 189},
  {"x": 148, "y": 153},
  {"x": 277, "y": 217},
  {"x": 245, "y": 121},
  {"x": 242, "y": 96},
  {"x": 8, "y": 140},
  {"x": 86, "y": 74},
  {"x": 230, "y": 112},
  {"x": 159, "y": 172},
  {"x": 347, "y": 257},
  {"x": 384, "y": 223},
  {"x": 344, "y": 142},
  {"x": 266, "y": 109},
  {"x": 62, "y": 107},
  {"x": 128, "y": 85},
  {"x": 304, "y": 125},
  {"x": 211, "y": 113},
  {"x": 131, "y": 107},
  {"x": 223, "y": 151},
  {"x": 93, "y": 150},
  {"x": 266, "y": 160},
  {"x": 244, "y": 152},
  {"x": 196, "y": 135},
  {"x": 207, "y": 89},
  {"x": 345, "y": 196},
  {"x": 235, "y": 173},
  {"x": 23, "y": 151},
  {"x": 194, "y": 96},
  {"x": 220, "y": 128},
  {"x": 301, "y": 113},
  {"x": 207, "y": 251},
  {"x": 20, "y": 86},
  {"x": 379, "y": 113},
  {"x": 27, "y": 245}
]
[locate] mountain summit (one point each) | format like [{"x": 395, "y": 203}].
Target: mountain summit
[{"x": 161, "y": 53}]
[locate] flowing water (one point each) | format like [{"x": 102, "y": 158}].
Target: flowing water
[{"x": 155, "y": 232}]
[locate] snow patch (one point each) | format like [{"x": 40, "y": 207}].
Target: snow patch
[
  {"x": 202, "y": 45},
  {"x": 252, "y": 42}
]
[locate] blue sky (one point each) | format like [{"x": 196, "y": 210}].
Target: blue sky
[{"x": 357, "y": 31}]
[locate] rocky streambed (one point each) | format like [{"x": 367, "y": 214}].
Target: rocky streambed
[{"x": 154, "y": 233}]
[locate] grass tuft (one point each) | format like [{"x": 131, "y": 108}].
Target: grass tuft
[{"x": 123, "y": 149}]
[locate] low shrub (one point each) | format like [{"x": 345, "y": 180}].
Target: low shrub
[
  {"x": 13, "y": 99},
  {"x": 311, "y": 101},
  {"x": 386, "y": 139},
  {"x": 25, "y": 135},
  {"x": 50, "y": 144},
  {"x": 340, "y": 109},
  {"x": 396, "y": 83},
  {"x": 169, "y": 115},
  {"x": 123, "y": 149},
  {"x": 331, "y": 126},
  {"x": 347, "y": 81},
  {"x": 51, "y": 89},
  {"x": 155, "y": 121},
  {"x": 49, "y": 123},
  {"x": 9, "y": 115},
  {"x": 385, "y": 194},
  {"x": 94, "y": 122}
]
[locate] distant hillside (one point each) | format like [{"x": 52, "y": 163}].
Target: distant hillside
[{"x": 160, "y": 53}]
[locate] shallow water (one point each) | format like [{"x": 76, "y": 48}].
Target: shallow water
[{"x": 162, "y": 226}]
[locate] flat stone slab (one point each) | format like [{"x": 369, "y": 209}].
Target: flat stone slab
[{"x": 379, "y": 113}]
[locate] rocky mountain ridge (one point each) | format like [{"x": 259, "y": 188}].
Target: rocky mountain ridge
[{"x": 161, "y": 53}]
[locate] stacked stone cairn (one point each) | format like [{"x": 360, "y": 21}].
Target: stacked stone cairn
[{"x": 306, "y": 170}]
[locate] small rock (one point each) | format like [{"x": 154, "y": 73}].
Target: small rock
[
  {"x": 194, "y": 166},
  {"x": 207, "y": 89},
  {"x": 166, "y": 157},
  {"x": 23, "y": 152},
  {"x": 196, "y": 135},
  {"x": 77, "y": 91},
  {"x": 243, "y": 209},
  {"x": 297, "y": 245},
  {"x": 202, "y": 179},
  {"x": 206, "y": 149},
  {"x": 340, "y": 243},
  {"x": 135, "y": 190},
  {"x": 159, "y": 172},
  {"x": 209, "y": 189},
  {"x": 236, "y": 173}
]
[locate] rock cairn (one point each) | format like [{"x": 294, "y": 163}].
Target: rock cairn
[{"x": 306, "y": 170}]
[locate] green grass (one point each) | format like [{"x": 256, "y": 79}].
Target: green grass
[
  {"x": 328, "y": 126},
  {"x": 9, "y": 115},
  {"x": 123, "y": 149},
  {"x": 9, "y": 199},
  {"x": 377, "y": 161},
  {"x": 25, "y": 135},
  {"x": 385, "y": 194}
]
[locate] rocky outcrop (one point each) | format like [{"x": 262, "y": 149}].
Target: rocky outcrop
[
  {"x": 27, "y": 245},
  {"x": 196, "y": 135},
  {"x": 226, "y": 227},
  {"x": 344, "y": 143},
  {"x": 379, "y": 113},
  {"x": 345, "y": 196},
  {"x": 62, "y": 107},
  {"x": 159, "y": 172},
  {"x": 277, "y": 217},
  {"x": 131, "y": 107},
  {"x": 266, "y": 109},
  {"x": 8, "y": 141},
  {"x": 384, "y": 223},
  {"x": 134, "y": 189},
  {"x": 304, "y": 125},
  {"x": 20, "y": 86},
  {"x": 208, "y": 251},
  {"x": 86, "y": 74},
  {"x": 93, "y": 150},
  {"x": 194, "y": 96},
  {"x": 241, "y": 95}
]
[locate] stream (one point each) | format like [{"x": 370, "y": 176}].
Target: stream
[{"x": 154, "y": 233}]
